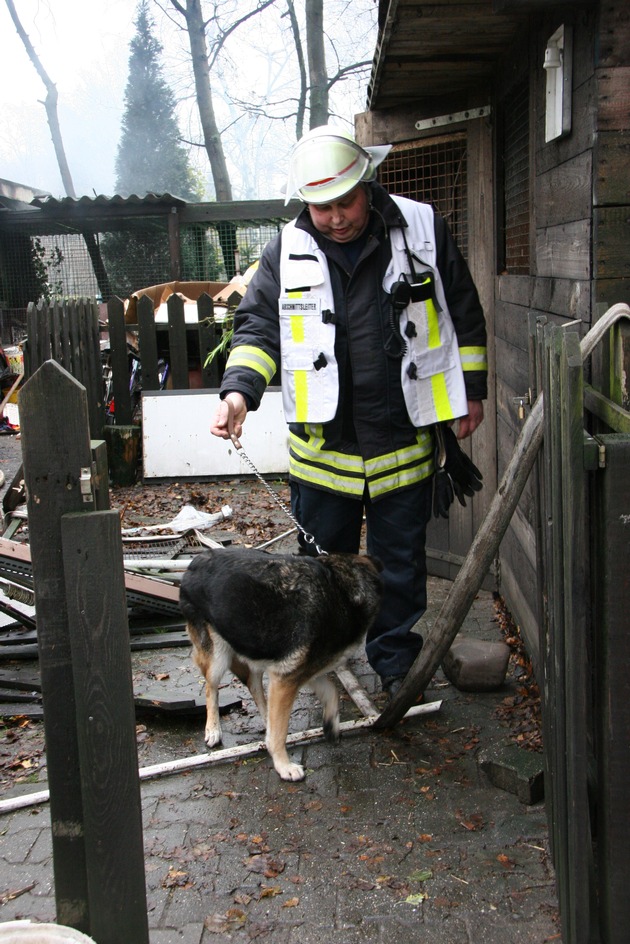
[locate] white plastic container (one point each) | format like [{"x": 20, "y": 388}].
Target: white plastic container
[{"x": 28, "y": 932}]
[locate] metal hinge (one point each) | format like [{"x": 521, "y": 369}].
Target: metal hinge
[
  {"x": 521, "y": 402},
  {"x": 594, "y": 453},
  {"x": 426, "y": 124},
  {"x": 85, "y": 483}
]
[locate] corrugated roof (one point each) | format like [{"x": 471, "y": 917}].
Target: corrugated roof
[{"x": 148, "y": 199}]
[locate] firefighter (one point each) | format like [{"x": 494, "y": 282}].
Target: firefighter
[{"x": 366, "y": 307}]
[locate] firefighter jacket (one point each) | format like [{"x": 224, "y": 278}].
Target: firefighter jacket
[{"x": 360, "y": 388}]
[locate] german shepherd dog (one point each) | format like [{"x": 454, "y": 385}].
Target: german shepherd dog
[{"x": 294, "y": 616}]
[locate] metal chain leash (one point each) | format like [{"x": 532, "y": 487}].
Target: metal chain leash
[{"x": 308, "y": 538}]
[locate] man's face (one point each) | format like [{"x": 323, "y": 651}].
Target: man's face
[{"x": 345, "y": 219}]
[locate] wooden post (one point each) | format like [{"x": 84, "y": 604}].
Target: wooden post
[
  {"x": 209, "y": 336},
  {"x": 55, "y": 448},
  {"x": 148, "y": 344},
  {"x": 110, "y": 784},
  {"x": 611, "y": 515},
  {"x": 177, "y": 344},
  {"x": 119, "y": 361},
  {"x": 566, "y": 651}
]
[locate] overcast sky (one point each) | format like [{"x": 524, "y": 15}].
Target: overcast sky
[{"x": 84, "y": 47}]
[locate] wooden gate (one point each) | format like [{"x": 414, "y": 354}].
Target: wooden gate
[{"x": 584, "y": 584}]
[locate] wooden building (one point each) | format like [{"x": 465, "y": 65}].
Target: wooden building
[{"x": 513, "y": 118}]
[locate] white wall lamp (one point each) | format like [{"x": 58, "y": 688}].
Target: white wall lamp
[{"x": 558, "y": 67}]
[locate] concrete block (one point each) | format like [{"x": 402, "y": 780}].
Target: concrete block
[
  {"x": 517, "y": 771},
  {"x": 474, "y": 665}
]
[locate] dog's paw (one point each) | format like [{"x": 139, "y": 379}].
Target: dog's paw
[
  {"x": 289, "y": 771},
  {"x": 331, "y": 730},
  {"x": 213, "y": 737}
]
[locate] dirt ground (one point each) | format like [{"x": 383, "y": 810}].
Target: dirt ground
[{"x": 257, "y": 517}]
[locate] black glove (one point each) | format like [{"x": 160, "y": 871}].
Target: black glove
[{"x": 455, "y": 473}]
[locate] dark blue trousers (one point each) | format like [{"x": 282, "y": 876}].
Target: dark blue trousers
[{"x": 396, "y": 534}]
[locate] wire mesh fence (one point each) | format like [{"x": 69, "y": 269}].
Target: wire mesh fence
[
  {"x": 35, "y": 266},
  {"x": 433, "y": 171}
]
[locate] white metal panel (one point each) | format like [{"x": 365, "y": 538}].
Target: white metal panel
[{"x": 177, "y": 442}]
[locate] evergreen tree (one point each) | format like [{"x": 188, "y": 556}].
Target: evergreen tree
[{"x": 151, "y": 158}]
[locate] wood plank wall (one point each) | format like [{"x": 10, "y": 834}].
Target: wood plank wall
[{"x": 580, "y": 263}]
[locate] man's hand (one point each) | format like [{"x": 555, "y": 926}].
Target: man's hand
[
  {"x": 468, "y": 424},
  {"x": 230, "y": 416}
]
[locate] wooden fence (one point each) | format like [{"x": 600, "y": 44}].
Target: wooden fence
[
  {"x": 184, "y": 347},
  {"x": 584, "y": 645},
  {"x": 68, "y": 333}
]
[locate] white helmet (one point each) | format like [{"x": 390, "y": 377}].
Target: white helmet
[{"x": 327, "y": 163}]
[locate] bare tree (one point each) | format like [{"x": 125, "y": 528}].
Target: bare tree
[
  {"x": 302, "y": 77},
  {"x": 50, "y": 104},
  {"x": 306, "y": 55},
  {"x": 316, "y": 63},
  {"x": 196, "y": 28},
  {"x": 301, "y": 103}
]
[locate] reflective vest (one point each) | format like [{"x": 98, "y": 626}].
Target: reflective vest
[
  {"x": 431, "y": 372},
  {"x": 310, "y": 377},
  {"x": 431, "y": 369}
]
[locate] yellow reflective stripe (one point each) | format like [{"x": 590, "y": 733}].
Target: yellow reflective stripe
[
  {"x": 246, "y": 355},
  {"x": 310, "y": 452},
  {"x": 300, "y": 380},
  {"x": 433, "y": 325},
  {"x": 443, "y": 409},
  {"x": 473, "y": 358},
  {"x": 294, "y": 294},
  {"x": 394, "y": 460},
  {"x": 399, "y": 479},
  {"x": 297, "y": 329},
  {"x": 347, "y": 475},
  {"x": 315, "y": 435},
  {"x": 322, "y": 478}
]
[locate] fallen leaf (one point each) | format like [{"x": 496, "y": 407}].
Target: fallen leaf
[
  {"x": 175, "y": 878},
  {"x": 242, "y": 899},
  {"x": 270, "y": 891},
  {"x": 291, "y": 903},
  {"x": 416, "y": 899}
]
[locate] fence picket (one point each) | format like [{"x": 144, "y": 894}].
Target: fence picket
[
  {"x": 177, "y": 341},
  {"x": 55, "y": 447},
  {"x": 209, "y": 337},
  {"x": 563, "y": 647},
  {"x": 105, "y": 720},
  {"x": 147, "y": 340},
  {"x": 119, "y": 360}
]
